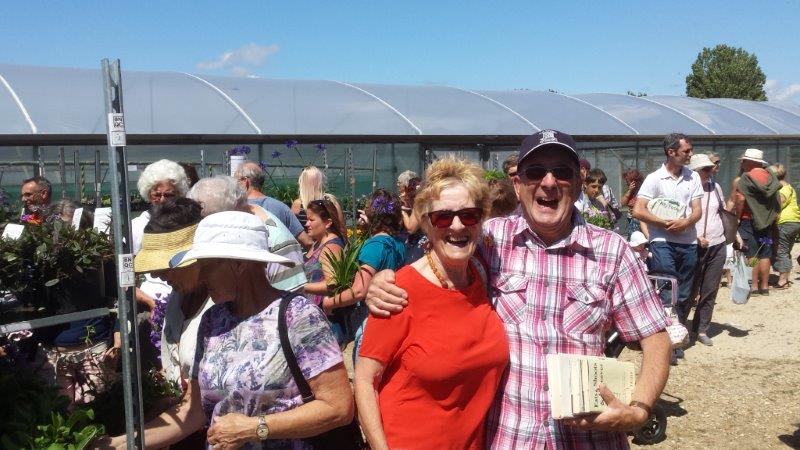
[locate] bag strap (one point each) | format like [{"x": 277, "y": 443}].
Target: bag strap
[
  {"x": 288, "y": 353},
  {"x": 481, "y": 272},
  {"x": 719, "y": 199},
  {"x": 708, "y": 204}
]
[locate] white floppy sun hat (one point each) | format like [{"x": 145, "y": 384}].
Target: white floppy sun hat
[
  {"x": 230, "y": 235},
  {"x": 754, "y": 154}
]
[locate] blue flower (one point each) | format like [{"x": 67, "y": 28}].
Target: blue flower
[
  {"x": 320, "y": 147},
  {"x": 240, "y": 150},
  {"x": 276, "y": 154},
  {"x": 263, "y": 165},
  {"x": 291, "y": 143}
]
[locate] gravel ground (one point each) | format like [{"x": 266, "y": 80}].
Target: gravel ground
[{"x": 744, "y": 392}]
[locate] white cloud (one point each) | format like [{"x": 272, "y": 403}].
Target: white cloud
[
  {"x": 242, "y": 61},
  {"x": 776, "y": 91}
]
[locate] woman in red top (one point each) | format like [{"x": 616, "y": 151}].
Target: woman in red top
[{"x": 427, "y": 376}]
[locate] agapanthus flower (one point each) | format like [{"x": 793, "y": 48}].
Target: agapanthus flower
[
  {"x": 157, "y": 316},
  {"x": 276, "y": 154},
  {"x": 291, "y": 143},
  {"x": 239, "y": 151},
  {"x": 320, "y": 148},
  {"x": 263, "y": 165}
]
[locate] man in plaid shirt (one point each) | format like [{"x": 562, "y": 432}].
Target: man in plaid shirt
[{"x": 559, "y": 285}]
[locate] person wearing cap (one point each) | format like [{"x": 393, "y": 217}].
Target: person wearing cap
[
  {"x": 673, "y": 243},
  {"x": 638, "y": 243},
  {"x": 788, "y": 227},
  {"x": 756, "y": 201},
  {"x": 711, "y": 249},
  {"x": 559, "y": 284},
  {"x": 240, "y": 384}
]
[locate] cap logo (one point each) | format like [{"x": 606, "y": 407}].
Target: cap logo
[{"x": 548, "y": 136}]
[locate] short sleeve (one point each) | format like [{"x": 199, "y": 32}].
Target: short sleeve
[
  {"x": 372, "y": 254},
  {"x": 384, "y": 336},
  {"x": 288, "y": 218},
  {"x": 311, "y": 338},
  {"x": 697, "y": 187},
  {"x": 649, "y": 187},
  {"x": 637, "y": 312}
]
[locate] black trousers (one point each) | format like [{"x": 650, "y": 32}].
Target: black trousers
[{"x": 710, "y": 262}]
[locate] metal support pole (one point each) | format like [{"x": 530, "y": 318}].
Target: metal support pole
[
  {"x": 62, "y": 170},
  {"x": 76, "y": 172},
  {"x": 374, "y": 168},
  {"x": 39, "y": 167},
  {"x": 352, "y": 179},
  {"x": 203, "y": 168},
  {"x": 98, "y": 201},
  {"x": 120, "y": 210}
]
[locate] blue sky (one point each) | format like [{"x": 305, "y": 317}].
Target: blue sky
[{"x": 572, "y": 47}]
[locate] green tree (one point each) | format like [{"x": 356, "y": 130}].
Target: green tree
[{"x": 725, "y": 71}]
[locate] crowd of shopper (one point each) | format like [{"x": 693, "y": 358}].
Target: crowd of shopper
[{"x": 460, "y": 287}]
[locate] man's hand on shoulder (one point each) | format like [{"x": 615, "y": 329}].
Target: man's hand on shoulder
[
  {"x": 384, "y": 298},
  {"x": 618, "y": 417}
]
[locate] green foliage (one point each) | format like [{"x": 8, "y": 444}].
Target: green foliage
[
  {"x": 73, "y": 433},
  {"x": 728, "y": 72},
  {"x": 48, "y": 254},
  {"x": 494, "y": 175},
  {"x": 285, "y": 193},
  {"x": 345, "y": 266},
  {"x": 600, "y": 220}
]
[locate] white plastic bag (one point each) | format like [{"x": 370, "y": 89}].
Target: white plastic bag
[
  {"x": 741, "y": 274},
  {"x": 676, "y": 331}
]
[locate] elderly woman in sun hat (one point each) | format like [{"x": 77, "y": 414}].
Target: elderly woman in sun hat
[
  {"x": 443, "y": 357},
  {"x": 240, "y": 383}
]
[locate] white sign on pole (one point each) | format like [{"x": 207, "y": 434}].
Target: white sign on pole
[
  {"x": 116, "y": 129},
  {"x": 13, "y": 231},
  {"x": 127, "y": 278},
  {"x": 76, "y": 218},
  {"x": 102, "y": 220}
]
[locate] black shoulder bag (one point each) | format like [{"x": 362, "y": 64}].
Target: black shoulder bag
[{"x": 347, "y": 437}]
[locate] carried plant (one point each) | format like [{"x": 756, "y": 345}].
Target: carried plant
[
  {"x": 753, "y": 260},
  {"x": 598, "y": 218},
  {"x": 344, "y": 266}
]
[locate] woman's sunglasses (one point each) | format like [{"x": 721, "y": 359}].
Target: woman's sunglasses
[
  {"x": 537, "y": 173},
  {"x": 444, "y": 218}
]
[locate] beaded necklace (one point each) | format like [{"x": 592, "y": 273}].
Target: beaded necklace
[{"x": 439, "y": 275}]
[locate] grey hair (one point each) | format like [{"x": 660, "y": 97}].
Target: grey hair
[
  {"x": 42, "y": 182},
  {"x": 405, "y": 177},
  {"x": 252, "y": 172},
  {"x": 219, "y": 193},
  {"x": 160, "y": 171}
]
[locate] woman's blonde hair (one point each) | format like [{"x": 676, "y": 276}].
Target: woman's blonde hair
[
  {"x": 448, "y": 172},
  {"x": 779, "y": 170},
  {"x": 311, "y": 185}
]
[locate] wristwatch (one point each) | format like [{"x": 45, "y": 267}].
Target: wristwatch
[{"x": 262, "y": 430}]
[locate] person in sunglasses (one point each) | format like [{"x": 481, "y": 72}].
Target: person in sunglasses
[
  {"x": 558, "y": 285},
  {"x": 443, "y": 357}
]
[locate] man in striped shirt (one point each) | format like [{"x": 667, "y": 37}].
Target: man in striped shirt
[{"x": 559, "y": 285}]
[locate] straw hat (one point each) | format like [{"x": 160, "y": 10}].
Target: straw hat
[
  {"x": 754, "y": 154},
  {"x": 231, "y": 235},
  {"x": 158, "y": 249}
]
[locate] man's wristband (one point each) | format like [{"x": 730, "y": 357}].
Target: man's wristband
[{"x": 644, "y": 406}]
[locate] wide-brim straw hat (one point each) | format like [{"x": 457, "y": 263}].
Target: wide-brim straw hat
[
  {"x": 231, "y": 235},
  {"x": 158, "y": 248},
  {"x": 700, "y": 160}
]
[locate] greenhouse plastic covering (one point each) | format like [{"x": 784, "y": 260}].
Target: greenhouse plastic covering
[{"x": 65, "y": 101}]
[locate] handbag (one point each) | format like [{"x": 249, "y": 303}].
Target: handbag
[
  {"x": 730, "y": 223},
  {"x": 347, "y": 437}
]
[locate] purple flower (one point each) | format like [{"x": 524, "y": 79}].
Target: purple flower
[
  {"x": 291, "y": 143},
  {"x": 263, "y": 165},
  {"x": 276, "y": 154},
  {"x": 240, "y": 150},
  {"x": 765, "y": 241},
  {"x": 320, "y": 148},
  {"x": 157, "y": 316}
]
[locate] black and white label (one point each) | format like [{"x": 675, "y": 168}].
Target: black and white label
[
  {"x": 127, "y": 278},
  {"x": 116, "y": 129}
]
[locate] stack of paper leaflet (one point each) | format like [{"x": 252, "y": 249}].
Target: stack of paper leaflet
[{"x": 572, "y": 382}]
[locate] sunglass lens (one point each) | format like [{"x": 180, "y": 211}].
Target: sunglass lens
[
  {"x": 535, "y": 173},
  {"x": 469, "y": 216},
  {"x": 563, "y": 173},
  {"x": 442, "y": 219}
]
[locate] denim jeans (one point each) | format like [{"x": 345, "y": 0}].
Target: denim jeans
[{"x": 679, "y": 260}]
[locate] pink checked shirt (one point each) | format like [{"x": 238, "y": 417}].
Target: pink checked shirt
[{"x": 559, "y": 299}]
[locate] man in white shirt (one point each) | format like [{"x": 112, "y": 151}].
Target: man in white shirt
[{"x": 673, "y": 243}]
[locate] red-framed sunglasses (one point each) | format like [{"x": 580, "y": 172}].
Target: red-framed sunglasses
[{"x": 444, "y": 217}]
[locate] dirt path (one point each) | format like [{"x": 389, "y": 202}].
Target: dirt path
[{"x": 744, "y": 392}]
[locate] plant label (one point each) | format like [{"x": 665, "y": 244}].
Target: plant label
[
  {"x": 13, "y": 231},
  {"x": 127, "y": 278},
  {"x": 102, "y": 220},
  {"x": 116, "y": 130},
  {"x": 76, "y": 218}
]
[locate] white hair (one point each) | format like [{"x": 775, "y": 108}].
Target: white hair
[
  {"x": 311, "y": 185},
  {"x": 405, "y": 177},
  {"x": 160, "y": 171},
  {"x": 218, "y": 193}
]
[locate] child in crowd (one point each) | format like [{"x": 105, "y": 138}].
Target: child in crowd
[{"x": 639, "y": 245}]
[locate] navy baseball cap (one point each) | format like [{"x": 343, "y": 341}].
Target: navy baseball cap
[{"x": 548, "y": 138}]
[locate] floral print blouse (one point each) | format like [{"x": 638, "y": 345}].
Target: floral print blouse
[{"x": 241, "y": 368}]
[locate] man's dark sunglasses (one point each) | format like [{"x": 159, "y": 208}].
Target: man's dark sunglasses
[
  {"x": 537, "y": 173},
  {"x": 444, "y": 218}
]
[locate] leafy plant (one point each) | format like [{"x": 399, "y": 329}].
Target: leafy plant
[
  {"x": 725, "y": 71},
  {"x": 344, "y": 266},
  {"x": 286, "y": 193},
  {"x": 600, "y": 220},
  {"x": 73, "y": 433},
  {"x": 492, "y": 175}
]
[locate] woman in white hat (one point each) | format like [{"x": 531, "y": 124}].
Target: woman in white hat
[
  {"x": 711, "y": 249},
  {"x": 241, "y": 385}
]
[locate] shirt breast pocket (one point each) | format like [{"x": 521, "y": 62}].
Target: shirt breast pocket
[
  {"x": 511, "y": 294},
  {"x": 585, "y": 312}
]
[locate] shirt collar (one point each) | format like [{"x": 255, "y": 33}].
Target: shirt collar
[
  {"x": 663, "y": 173},
  {"x": 578, "y": 237}
]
